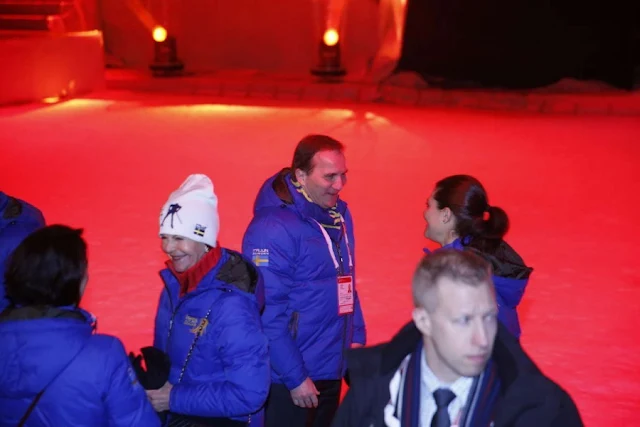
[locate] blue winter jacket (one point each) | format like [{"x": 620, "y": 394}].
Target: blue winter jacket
[
  {"x": 227, "y": 373},
  {"x": 307, "y": 335},
  {"x": 510, "y": 277},
  {"x": 18, "y": 219},
  {"x": 97, "y": 388}
]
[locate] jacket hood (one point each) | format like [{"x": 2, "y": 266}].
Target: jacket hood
[
  {"x": 505, "y": 260},
  {"x": 268, "y": 197},
  {"x": 3, "y": 200},
  {"x": 37, "y": 344},
  {"x": 507, "y": 263},
  {"x": 12, "y": 209},
  {"x": 510, "y": 273},
  {"x": 243, "y": 276}
]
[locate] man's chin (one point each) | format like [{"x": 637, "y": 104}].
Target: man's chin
[{"x": 332, "y": 201}]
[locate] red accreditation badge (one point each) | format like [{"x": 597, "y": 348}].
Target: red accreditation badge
[{"x": 345, "y": 295}]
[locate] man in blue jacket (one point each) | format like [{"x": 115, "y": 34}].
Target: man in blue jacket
[
  {"x": 18, "y": 219},
  {"x": 302, "y": 240}
]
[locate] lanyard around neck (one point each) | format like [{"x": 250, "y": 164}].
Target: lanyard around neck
[{"x": 330, "y": 243}]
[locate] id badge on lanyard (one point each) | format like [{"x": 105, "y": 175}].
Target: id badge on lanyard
[
  {"x": 345, "y": 295},
  {"x": 346, "y": 299}
]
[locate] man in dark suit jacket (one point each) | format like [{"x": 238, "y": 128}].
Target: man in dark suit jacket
[{"x": 454, "y": 365}]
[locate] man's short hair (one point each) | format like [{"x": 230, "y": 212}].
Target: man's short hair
[
  {"x": 459, "y": 266},
  {"x": 308, "y": 147}
]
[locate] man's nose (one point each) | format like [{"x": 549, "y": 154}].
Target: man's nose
[{"x": 480, "y": 336}]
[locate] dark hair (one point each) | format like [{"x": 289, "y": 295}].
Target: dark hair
[
  {"x": 467, "y": 199},
  {"x": 460, "y": 266},
  {"x": 303, "y": 155},
  {"x": 308, "y": 147},
  {"x": 47, "y": 268}
]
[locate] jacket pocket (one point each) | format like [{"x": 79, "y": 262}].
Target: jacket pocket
[{"x": 293, "y": 324}]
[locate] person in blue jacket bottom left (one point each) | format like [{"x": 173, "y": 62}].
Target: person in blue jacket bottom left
[
  {"x": 208, "y": 319},
  {"x": 54, "y": 370}
]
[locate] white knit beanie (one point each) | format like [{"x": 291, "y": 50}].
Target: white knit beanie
[{"x": 192, "y": 211}]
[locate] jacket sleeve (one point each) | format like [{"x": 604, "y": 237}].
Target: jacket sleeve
[
  {"x": 243, "y": 350},
  {"x": 125, "y": 400},
  {"x": 359, "y": 328},
  {"x": 276, "y": 263}
]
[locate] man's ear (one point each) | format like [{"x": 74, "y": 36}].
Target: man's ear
[
  {"x": 301, "y": 176},
  {"x": 422, "y": 319}
]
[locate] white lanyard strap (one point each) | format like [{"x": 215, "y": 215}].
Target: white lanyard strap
[{"x": 330, "y": 243}]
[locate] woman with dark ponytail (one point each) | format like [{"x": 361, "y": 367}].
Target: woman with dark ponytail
[{"x": 459, "y": 216}]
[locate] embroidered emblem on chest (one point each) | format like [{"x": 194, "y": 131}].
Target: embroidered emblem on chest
[
  {"x": 190, "y": 321},
  {"x": 260, "y": 257},
  {"x": 198, "y": 326}
]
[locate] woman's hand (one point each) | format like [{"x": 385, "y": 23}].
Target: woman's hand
[{"x": 160, "y": 398}]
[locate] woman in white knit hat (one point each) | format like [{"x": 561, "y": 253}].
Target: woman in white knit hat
[{"x": 208, "y": 319}]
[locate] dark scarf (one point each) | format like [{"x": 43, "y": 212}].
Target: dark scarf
[{"x": 479, "y": 407}]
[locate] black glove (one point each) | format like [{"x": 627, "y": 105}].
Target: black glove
[{"x": 158, "y": 366}]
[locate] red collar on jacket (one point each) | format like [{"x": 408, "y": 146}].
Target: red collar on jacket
[{"x": 189, "y": 279}]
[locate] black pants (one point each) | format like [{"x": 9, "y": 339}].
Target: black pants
[
  {"x": 281, "y": 412},
  {"x": 179, "y": 420}
]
